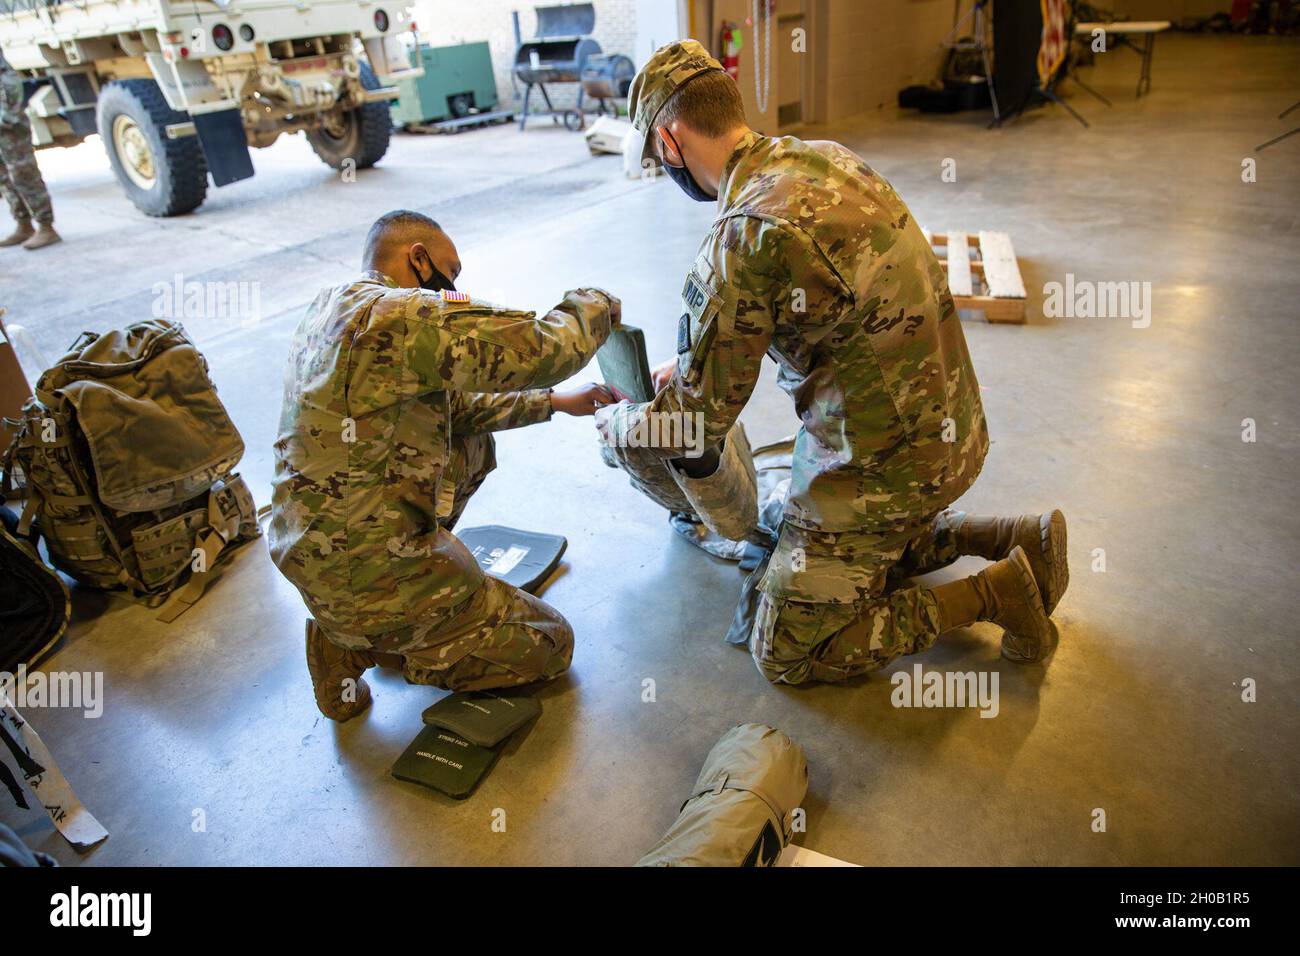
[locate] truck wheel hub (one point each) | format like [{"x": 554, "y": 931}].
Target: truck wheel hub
[
  {"x": 335, "y": 126},
  {"x": 133, "y": 150}
]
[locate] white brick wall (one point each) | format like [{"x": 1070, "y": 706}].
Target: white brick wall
[{"x": 446, "y": 22}]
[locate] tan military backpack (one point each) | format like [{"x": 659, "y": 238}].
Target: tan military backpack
[{"x": 127, "y": 455}]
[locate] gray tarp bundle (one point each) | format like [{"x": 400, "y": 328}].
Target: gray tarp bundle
[{"x": 741, "y": 809}]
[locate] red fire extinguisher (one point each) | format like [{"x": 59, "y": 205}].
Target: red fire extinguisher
[{"x": 730, "y": 42}]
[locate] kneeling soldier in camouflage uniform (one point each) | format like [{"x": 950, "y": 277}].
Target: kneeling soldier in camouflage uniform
[
  {"x": 394, "y": 383},
  {"x": 815, "y": 261},
  {"x": 20, "y": 177}
]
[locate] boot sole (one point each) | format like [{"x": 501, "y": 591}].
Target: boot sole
[
  {"x": 1012, "y": 644},
  {"x": 1056, "y": 557}
]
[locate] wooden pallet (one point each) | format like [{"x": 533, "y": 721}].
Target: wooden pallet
[{"x": 985, "y": 277}]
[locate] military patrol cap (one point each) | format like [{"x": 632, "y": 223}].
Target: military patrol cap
[{"x": 671, "y": 68}]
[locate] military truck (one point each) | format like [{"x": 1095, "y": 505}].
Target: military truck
[{"x": 180, "y": 89}]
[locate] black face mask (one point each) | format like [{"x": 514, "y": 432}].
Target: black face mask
[
  {"x": 437, "y": 282},
  {"x": 681, "y": 175}
]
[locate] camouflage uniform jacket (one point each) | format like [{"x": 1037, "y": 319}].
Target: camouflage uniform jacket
[
  {"x": 379, "y": 378},
  {"x": 815, "y": 260},
  {"x": 11, "y": 94}
]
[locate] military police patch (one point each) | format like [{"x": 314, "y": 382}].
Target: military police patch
[{"x": 695, "y": 295}]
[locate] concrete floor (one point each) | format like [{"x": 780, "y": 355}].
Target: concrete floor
[{"x": 1136, "y": 433}]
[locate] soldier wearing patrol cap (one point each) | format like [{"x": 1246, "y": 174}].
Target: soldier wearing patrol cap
[
  {"x": 814, "y": 260},
  {"x": 394, "y": 383}
]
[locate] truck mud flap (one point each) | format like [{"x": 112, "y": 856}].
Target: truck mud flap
[{"x": 225, "y": 147}]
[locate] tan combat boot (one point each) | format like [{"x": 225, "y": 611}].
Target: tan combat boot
[
  {"x": 341, "y": 692},
  {"x": 45, "y": 236},
  {"x": 1004, "y": 593},
  {"x": 1042, "y": 537},
  {"x": 22, "y": 232}
]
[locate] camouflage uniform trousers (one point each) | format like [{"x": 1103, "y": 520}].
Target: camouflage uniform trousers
[
  {"x": 20, "y": 177},
  {"x": 500, "y": 637},
  {"x": 846, "y": 608}
]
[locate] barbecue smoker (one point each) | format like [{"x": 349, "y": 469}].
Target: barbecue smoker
[
  {"x": 557, "y": 54},
  {"x": 608, "y": 77}
]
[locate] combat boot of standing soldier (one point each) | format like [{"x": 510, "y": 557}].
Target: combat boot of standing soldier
[{"x": 20, "y": 177}]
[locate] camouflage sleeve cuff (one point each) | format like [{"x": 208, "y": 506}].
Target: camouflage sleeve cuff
[
  {"x": 475, "y": 413},
  {"x": 530, "y": 407},
  {"x": 538, "y": 405}
]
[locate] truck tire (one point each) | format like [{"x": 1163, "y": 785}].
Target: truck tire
[
  {"x": 360, "y": 134},
  {"x": 163, "y": 177}
]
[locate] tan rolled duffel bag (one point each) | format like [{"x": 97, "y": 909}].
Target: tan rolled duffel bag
[{"x": 741, "y": 811}]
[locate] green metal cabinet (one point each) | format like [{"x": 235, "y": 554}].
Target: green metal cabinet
[{"x": 455, "y": 77}]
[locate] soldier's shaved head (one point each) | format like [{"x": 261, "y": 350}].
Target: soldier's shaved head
[
  {"x": 411, "y": 249},
  {"x": 399, "y": 227}
]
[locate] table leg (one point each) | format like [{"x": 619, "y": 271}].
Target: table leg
[
  {"x": 1074, "y": 74},
  {"x": 1144, "y": 79}
]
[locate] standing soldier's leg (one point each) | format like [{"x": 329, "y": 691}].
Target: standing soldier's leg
[
  {"x": 17, "y": 208},
  {"x": 25, "y": 175}
]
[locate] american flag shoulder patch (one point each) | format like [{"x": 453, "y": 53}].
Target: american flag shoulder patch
[{"x": 449, "y": 296}]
